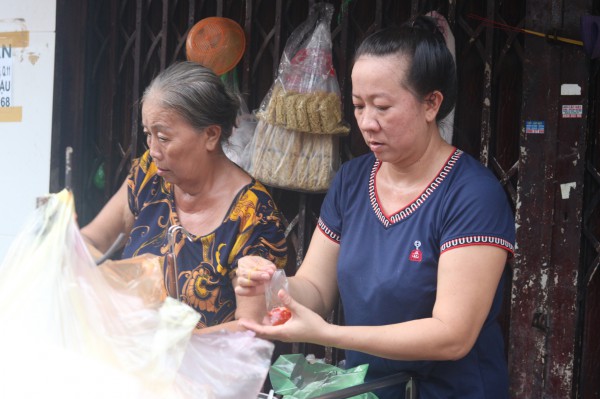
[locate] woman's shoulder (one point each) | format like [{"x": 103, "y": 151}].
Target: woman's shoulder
[
  {"x": 470, "y": 168},
  {"x": 258, "y": 188},
  {"x": 255, "y": 194},
  {"x": 472, "y": 178},
  {"x": 254, "y": 199}
]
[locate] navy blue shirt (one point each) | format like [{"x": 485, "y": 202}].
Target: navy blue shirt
[{"x": 387, "y": 266}]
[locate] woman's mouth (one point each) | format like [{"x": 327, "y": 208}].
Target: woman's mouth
[
  {"x": 160, "y": 171},
  {"x": 374, "y": 145}
]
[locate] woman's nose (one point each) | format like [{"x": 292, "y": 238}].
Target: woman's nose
[
  {"x": 367, "y": 120},
  {"x": 152, "y": 147}
]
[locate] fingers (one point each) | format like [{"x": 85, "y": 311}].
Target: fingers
[
  {"x": 263, "y": 331},
  {"x": 252, "y": 326},
  {"x": 252, "y": 275},
  {"x": 289, "y": 302},
  {"x": 253, "y": 271},
  {"x": 251, "y": 283},
  {"x": 252, "y": 278},
  {"x": 250, "y": 265},
  {"x": 304, "y": 325}
]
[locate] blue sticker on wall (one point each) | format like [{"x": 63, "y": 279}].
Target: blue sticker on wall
[
  {"x": 534, "y": 127},
  {"x": 572, "y": 111}
]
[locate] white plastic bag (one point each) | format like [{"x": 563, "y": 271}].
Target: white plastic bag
[
  {"x": 227, "y": 365},
  {"x": 71, "y": 329},
  {"x": 237, "y": 147}
]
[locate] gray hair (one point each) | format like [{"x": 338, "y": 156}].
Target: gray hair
[{"x": 197, "y": 94}]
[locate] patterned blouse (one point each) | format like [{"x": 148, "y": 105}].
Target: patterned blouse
[{"x": 205, "y": 265}]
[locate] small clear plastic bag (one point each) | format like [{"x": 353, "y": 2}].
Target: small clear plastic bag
[
  {"x": 276, "y": 310},
  {"x": 278, "y": 282}
]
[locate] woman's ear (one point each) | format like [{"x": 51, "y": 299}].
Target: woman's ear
[
  {"x": 213, "y": 137},
  {"x": 433, "y": 101}
]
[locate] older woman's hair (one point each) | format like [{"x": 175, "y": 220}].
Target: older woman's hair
[
  {"x": 430, "y": 64},
  {"x": 197, "y": 94}
]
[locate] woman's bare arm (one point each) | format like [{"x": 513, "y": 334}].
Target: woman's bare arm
[
  {"x": 467, "y": 282},
  {"x": 315, "y": 283},
  {"x": 115, "y": 218}
]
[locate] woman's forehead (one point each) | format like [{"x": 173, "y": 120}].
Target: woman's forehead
[
  {"x": 378, "y": 69},
  {"x": 397, "y": 63},
  {"x": 154, "y": 112},
  {"x": 395, "y": 58}
]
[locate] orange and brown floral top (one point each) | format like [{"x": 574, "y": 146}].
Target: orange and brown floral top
[{"x": 205, "y": 265}]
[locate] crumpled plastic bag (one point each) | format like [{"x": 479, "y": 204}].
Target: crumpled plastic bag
[
  {"x": 230, "y": 365},
  {"x": 71, "y": 329},
  {"x": 295, "y": 378},
  {"x": 237, "y": 148}
]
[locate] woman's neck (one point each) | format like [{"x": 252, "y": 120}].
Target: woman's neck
[
  {"x": 420, "y": 169},
  {"x": 219, "y": 183}
]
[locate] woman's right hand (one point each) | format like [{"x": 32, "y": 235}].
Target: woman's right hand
[
  {"x": 253, "y": 274},
  {"x": 303, "y": 326}
]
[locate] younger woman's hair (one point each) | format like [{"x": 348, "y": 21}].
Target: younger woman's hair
[
  {"x": 197, "y": 94},
  {"x": 430, "y": 64}
]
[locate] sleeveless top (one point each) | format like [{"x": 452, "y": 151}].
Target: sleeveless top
[{"x": 205, "y": 265}]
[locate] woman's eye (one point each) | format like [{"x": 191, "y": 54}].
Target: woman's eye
[
  {"x": 382, "y": 107},
  {"x": 161, "y": 138},
  {"x": 358, "y": 106}
]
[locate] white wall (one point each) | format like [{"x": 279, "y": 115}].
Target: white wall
[{"x": 25, "y": 159}]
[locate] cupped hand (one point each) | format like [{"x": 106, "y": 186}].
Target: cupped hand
[
  {"x": 304, "y": 325},
  {"x": 252, "y": 275}
]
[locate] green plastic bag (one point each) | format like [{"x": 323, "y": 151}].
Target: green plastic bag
[{"x": 295, "y": 378}]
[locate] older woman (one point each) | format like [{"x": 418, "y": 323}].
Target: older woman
[
  {"x": 185, "y": 196},
  {"x": 414, "y": 236}
]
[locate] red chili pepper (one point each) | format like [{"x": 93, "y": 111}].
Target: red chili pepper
[{"x": 279, "y": 315}]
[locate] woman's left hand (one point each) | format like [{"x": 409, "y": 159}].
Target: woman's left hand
[{"x": 304, "y": 325}]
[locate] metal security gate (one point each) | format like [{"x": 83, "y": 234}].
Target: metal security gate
[{"x": 508, "y": 115}]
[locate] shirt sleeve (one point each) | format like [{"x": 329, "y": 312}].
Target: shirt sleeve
[
  {"x": 262, "y": 232},
  {"x": 330, "y": 219},
  {"x": 478, "y": 213}
]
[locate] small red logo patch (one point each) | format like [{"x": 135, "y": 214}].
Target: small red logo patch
[{"x": 416, "y": 255}]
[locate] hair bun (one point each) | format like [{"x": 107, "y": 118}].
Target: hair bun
[{"x": 428, "y": 24}]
